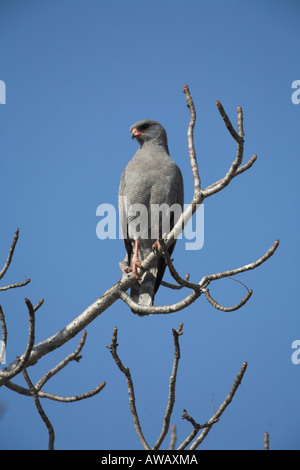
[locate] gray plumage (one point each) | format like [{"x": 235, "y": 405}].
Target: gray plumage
[{"x": 150, "y": 178}]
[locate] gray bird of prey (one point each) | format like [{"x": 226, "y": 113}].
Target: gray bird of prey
[{"x": 151, "y": 184}]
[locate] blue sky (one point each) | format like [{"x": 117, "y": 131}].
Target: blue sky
[{"x": 78, "y": 74}]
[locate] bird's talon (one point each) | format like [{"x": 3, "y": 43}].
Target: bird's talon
[
  {"x": 133, "y": 268},
  {"x": 156, "y": 246}
]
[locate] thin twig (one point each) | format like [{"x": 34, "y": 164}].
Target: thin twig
[
  {"x": 212, "y": 402},
  {"x": 22, "y": 361},
  {"x": 238, "y": 137},
  {"x": 171, "y": 286},
  {"x": 227, "y": 121},
  {"x": 226, "y": 309},
  {"x": 172, "y": 386},
  {"x": 4, "y": 335},
  {"x": 166, "y": 309},
  {"x": 182, "y": 282},
  {"x": 72, "y": 399},
  {"x": 13, "y": 286},
  {"x": 62, "y": 364},
  {"x": 174, "y": 286},
  {"x": 130, "y": 387},
  {"x": 40, "y": 409},
  {"x": 73, "y": 356},
  {"x": 24, "y": 391},
  {"x": 172, "y": 437},
  {"x": 239, "y": 171},
  {"x": 196, "y": 429},
  {"x": 266, "y": 441},
  {"x": 213, "y": 277},
  {"x": 10, "y": 254},
  {"x": 222, "y": 408},
  {"x": 192, "y": 152},
  {"x": 38, "y": 305},
  {"x": 7, "y": 264}
]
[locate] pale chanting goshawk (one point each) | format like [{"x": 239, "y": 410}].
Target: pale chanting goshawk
[{"x": 151, "y": 180}]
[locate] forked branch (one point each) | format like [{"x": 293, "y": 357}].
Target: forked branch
[
  {"x": 21, "y": 363},
  {"x": 198, "y": 289},
  {"x": 40, "y": 410},
  {"x": 214, "y": 419},
  {"x": 7, "y": 264},
  {"x": 206, "y": 427},
  {"x": 221, "y": 409},
  {"x": 172, "y": 386}
]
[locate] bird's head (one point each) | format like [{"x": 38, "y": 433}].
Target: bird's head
[{"x": 149, "y": 131}]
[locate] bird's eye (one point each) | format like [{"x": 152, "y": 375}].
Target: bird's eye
[{"x": 145, "y": 126}]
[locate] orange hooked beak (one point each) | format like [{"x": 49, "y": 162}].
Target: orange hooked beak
[{"x": 135, "y": 133}]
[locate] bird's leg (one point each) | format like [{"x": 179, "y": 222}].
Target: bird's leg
[{"x": 135, "y": 261}]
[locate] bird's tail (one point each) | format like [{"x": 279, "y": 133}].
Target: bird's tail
[{"x": 144, "y": 290}]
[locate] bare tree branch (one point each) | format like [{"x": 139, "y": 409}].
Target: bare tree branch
[
  {"x": 196, "y": 429},
  {"x": 21, "y": 362},
  {"x": 73, "y": 328},
  {"x": 213, "y": 277},
  {"x": 24, "y": 391},
  {"x": 171, "y": 286},
  {"x": 73, "y": 356},
  {"x": 192, "y": 152},
  {"x": 172, "y": 437},
  {"x": 13, "y": 286},
  {"x": 239, "y": 171},
  {"x": 238, "y": 137},
  {"x": 182, "y": 282},
  {"x": 221, "y": 409},
  {"x": 4, "y": 335},
  {"x": 226, "y": 309},
  {"x": 7, "y": 264},
  {"x": 40, "y": 409},
  {"x": 174, "y": 286},
  {"x": 172, "y": 385},
  {"x": 10, "y": 254},
  {"x": 116, "y": 292},
  {"x": 145, "y": 310},
  {"x": 38, "y": 305},
  {"x": 126, "y": 372},
  {"x": 266, "y": 441},
  {"x": 72, "y": 399},
  {"x": 199, "y": 288}
]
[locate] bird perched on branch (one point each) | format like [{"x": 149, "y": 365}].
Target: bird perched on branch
[{"x": 151, "y": 185}]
